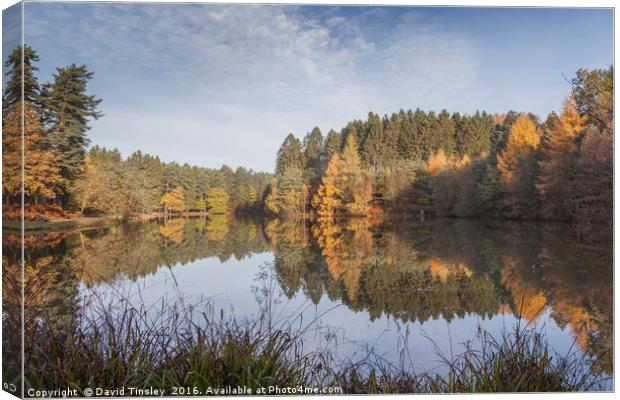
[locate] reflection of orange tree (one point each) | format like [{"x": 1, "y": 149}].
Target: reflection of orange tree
[
  {"x": 294, "y": 231},
  {"x": 345, "y": 248},
  {"x": 380, "y": 274},
  {"x": 173, "y": 229},
  {"x": 136, "y": 250},
  {"x": 529, "y": 301},
  {"x": 217, "y": 227},
  {"x": 557, "y": 272},
  {"x": 581, "y": 295},
  {"x": 442, "y": 270}
]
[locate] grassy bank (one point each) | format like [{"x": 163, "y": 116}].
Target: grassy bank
[{"x": 176, "y": 349}]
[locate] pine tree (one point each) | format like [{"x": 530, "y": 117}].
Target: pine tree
[
  {"x": 374, "y": 147},
  {"x": 425, "y": 130},
  {"x": 313, "y": 154},
  {"x": 490, "y": 190},
  {"x": 407, "y": 137},
  {"x": 444, "y": 134},
  {"x": 391, "y": 129},
  {"x": 17, "y": 64},
  {"x": 474, "y": 134},
  {"x": 290, "y": 155},
  {"x": 333, "y": 144},
  {"x": 67, "y": 110}
]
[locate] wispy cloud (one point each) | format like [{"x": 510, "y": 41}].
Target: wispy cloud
[{"x": 226, "y": 76}]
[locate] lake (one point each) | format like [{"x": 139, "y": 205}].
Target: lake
[{"x": 406, "y": 292}]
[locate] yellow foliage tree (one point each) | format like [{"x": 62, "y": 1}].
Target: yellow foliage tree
[
  {"x": 346, "y": 187},
  {"x": 523, "y": 139},
  {"x": 558, "y": 157},
  {"x": 174, "y": 200},
  {"x": 217, "y": 201},
  {"x": 327, "y": 201},
  {"x": 271, "y": 201},
  {"x": 517, "y": 167},
  {"x": 437, "y": 162}
]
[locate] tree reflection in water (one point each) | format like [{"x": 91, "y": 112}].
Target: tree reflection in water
[{"x": 412, "y": 272}]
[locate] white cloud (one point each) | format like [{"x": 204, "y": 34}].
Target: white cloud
[{"x": 273, "y": 69}]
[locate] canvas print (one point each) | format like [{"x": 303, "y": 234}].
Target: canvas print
[{"x": 251, "y": 199}]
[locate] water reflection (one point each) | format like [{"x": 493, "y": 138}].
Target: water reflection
[{"x": 415, "y": 272}]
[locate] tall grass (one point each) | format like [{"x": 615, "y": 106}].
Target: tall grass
[
  {"x": 177, "y": 347},
  {"x": 171, "y": 350},
  {"x": 520, "y": 361}
]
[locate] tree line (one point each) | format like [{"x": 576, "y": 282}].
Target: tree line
[
  {"x": 62, "y": 174},
  {"x": 510, "y": 166},
  {"x": 504, "y": 165}
]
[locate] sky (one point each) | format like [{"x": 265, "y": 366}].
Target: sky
[{"x": 224, "y": 84}]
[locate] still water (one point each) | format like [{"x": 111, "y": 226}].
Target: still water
[{"x": 405, "y": 292}]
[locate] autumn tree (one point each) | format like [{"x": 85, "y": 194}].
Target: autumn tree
[
  {"x": 438, "y": 162},
  {"x": 592, "y": 201},
  {"x": 41, "y": 175},
  {"x": 517, "y": 166},
  {"x": 555, "y": 182},
  {"x": 93, "y": 190},
  {"x": 217, "y": 201},
  {"x": 345, "y": 187},
  {"x": 327, "y": 201},
  {"x": 271, "y": 203},
  {"x": 174, "y": 201}
]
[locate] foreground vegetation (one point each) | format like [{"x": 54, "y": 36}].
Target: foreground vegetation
[{"x": 175, "y": 349}]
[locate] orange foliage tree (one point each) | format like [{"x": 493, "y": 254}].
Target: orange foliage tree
[
  {"x": 41, "y": 172},
  {"x": 346, "y": 188},
  {"x": 557, "y": 163},
  {"x": 517, "y": 167}
]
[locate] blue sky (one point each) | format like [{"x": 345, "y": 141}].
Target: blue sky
[{"x": 213, "y": 84}]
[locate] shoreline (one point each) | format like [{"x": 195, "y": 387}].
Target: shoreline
[{"x": 83, "y": 222}]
